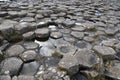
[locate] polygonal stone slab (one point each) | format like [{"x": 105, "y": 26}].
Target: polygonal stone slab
[
  {"x": 30, "y": 68},
  {"x": 29, "y": 55},
  {"x": 69, "y": 63},
  {"x": 42, "y": 33},
  {"x": 11, "y": 66},
  {"x": 104, "y": 51},
  {"x": 78, "y": 35},
  {"x": 86, "y": 58},
  {"x": 14, "y": 50}
]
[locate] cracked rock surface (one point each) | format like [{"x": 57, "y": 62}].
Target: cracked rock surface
[{"x": 60, "y": 40}]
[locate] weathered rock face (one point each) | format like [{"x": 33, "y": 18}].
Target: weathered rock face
[
  {"x": 69, "y": 63},
  {"x": 59, "y": 39},
  {"x": 30, "y": 68},
  {"x": 42, "y": 33},
  {"x": 11, "y": 66},
  {"x": 104, "y": 51},
  {"x": 86, "y": 58},
  {"x": 15, "y": 50},
  {"x": 29, "y": 55}
]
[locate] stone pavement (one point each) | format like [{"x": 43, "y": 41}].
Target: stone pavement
[{"x": 60, "y": 40}]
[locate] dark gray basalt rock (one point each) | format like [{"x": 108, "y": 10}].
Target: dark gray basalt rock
[
  {"x": 104, "y": 51},
  {"x": 56, "y": 35},
  {"x": 69, "y": 63},
  {"x": 22, "y": 27},
  {"x": 69, "y": 23},
  {"x": 29, "y": 35},
  {"x": 29, "y": 45},
  {"x": 59, "y": 40},
  {"x": 11, "y": 66},
  {"x": 66, "y": 49},
  {"x": 25, "y": 77},
  {"x": 30, "y": 68},
  {"x": 5, "y": 77},
  {"x": 86, "y": 58},
  {"x": 110, "y": 42},
  {"x": 47, "y": 51},
  {"x": 78, "y": 35},
  {"x": 6, "y": 29},
  {"x": 28, "y": 19},
  {"x": 14, "y": 50},
  {"x": 3, "y": 13},
  {"x": 78, "y": 28},
  {"x": 28, "y": 55},
  {"x": 83, "y": 45},
  {"x": 42, "y": 33},
  {"x": 13, "y": 14},
  {"x": 69, "y": 38}
]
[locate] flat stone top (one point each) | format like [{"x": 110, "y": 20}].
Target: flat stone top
[{"x": 59, "y": 39}]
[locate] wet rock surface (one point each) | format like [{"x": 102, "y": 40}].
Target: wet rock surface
[{"x": 59, "y": 40}]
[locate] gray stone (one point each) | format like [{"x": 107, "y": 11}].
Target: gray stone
[
  {"x": 59, "y": 20},
  {"x": 66, "y": 48},
  {"x": 11, "y": 66},
  {"x": 51, "y": 63},
  {"x": 53, "y": 28},
  {"x": 65, "y": 31},
  {"x": 4, "y": 45},
  {"x": 83, "y": 45},
  {"x": 89, "y": 25},
  {"x": 28, "y": 55},
  {"x": 89, "y": 39},
  {"x": 22, "y": 13},
  {"x": 69, "y": 38},
  {"x": 31, "y": 45},
  {"x": 68, "y": 23},
  {"x": 8, "y": 21},
  {"x": 69, "y": 63},
  {"x": 39, "y": 16},
  {"x": 25, "y": 77},
  {"x": 30, "y": 14},
  {"x": 110, "y": 31},
  {"x": 42, "y": 33},
  {"x": 3, "y": 13},
  {"x": 28, "y": 19},
  {"x": 29, "y": 35},
  {"x": 14, "y": 78},
  {"x": 86, "y": 58},
  {"x": 78, "y": 35},
  {"x": 78, "y": 28},
  {"x": 13, "y": 14},
  {"x": 22, "y": 27},
  {"x": 110, "y": 42},
  {"x": 117, "y": 46},
  {"x": 42, "y": 24},
  {"x": 5, "y": 77},
  {"x": 47, "y": 51},
  {"x": 104, "y": 51},
  {"x": 47, "y": 48},
  {"x": 6, "y": 29},
  {"x": 14, "y": 50},
  {"x": 30, "y": 68},
  {"x": 56, "y": 35}
]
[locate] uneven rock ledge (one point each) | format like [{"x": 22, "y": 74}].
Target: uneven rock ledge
[{"x": 60, "y": 40}]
